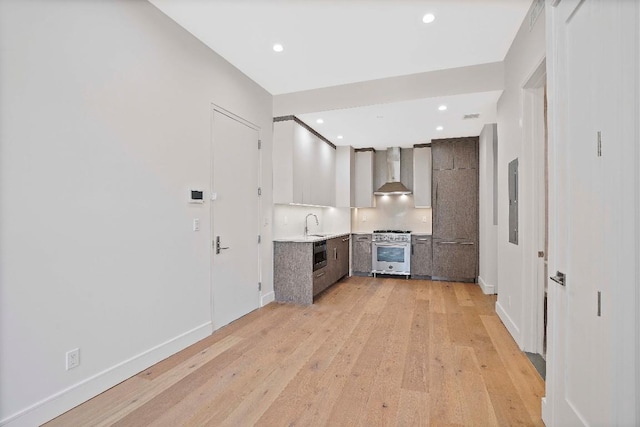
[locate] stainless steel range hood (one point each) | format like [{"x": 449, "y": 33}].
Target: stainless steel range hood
[{"x": 393, "y": 184}]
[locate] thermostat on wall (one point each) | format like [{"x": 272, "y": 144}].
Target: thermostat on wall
[{"x": 196, "y": 196}]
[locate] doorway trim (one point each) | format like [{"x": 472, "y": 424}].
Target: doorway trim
[{"x": 533, "y": 137}]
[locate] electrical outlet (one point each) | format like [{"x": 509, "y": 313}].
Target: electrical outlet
[
  {"x": 73, "y": 358},
  {"x": 196, "y": 224},
  {"x": 364, "y": 218},
  {"x": 286, "y": 220},
  {"x": 424, "y": 218}
]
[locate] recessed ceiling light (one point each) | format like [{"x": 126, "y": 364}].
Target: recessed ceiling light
[
  {"x": 439, "y": 128},
  {"x": 442, "y": 107},
  {"x": 428, "y": 18},
  {"x": 278, "y": 47},
  {"x": 320, "y": 121},
  {"x": 339, "y": 137}
]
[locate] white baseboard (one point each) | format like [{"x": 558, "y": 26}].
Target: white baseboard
[
  {"x": 60, "y": 402},
  {"x": 267, "y": 298},
  {"x": 546, "y": 417},
  {"x": 486, "y": 288},
  {"x": 509, "y": 324}
]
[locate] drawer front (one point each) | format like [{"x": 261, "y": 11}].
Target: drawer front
[
  {"x": 455, "y": 259},
  {"x": 421, "y": 256}
]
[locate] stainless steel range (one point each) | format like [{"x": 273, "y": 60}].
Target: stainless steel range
[{"x": 391, "y": 252}]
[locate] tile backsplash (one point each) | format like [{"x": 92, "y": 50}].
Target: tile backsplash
[
  {"x": 391, "y": 213},
  {"x": 288, "y": 220}
]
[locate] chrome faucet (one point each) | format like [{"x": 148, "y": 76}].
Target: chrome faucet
[{"x": 306, "y": 223}]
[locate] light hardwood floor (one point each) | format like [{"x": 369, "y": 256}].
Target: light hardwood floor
[{"x": 370, "y": 352}]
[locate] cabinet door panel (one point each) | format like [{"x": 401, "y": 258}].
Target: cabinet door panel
[
  {"x": 321, "y": 280},
  {"x": 364, "y": 179},
  {"x": 362, "y": 253},
  {"x": 455, "y": 213},
  {"x": 303, "y": 163},
  {"x": 465, "y": 153},
  {"x": 456, "y": 260},
  {"x": 333, "y": 269},
  {"x": 421, "y": 257},
  {"x": 442, "y": 155},
  {"x": 343, "y": 257},
  {"x": 422, "y": 177}
]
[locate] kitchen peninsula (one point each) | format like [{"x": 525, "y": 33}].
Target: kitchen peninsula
[{"x": 304, "y": 266}]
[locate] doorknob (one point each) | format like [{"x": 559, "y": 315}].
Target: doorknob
[
  {"x": 218, "y": 247},
  {"x": 560, "y": 278}
]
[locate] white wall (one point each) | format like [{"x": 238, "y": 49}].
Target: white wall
[
  {"x": 488, "y": 276},
  {"x": 525, "y": 54},
  {"x": 105, "y": 124}
]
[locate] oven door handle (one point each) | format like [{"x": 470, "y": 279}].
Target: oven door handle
[{"x": 396, "y": 245}]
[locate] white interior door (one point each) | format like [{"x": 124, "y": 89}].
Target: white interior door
[
  {"x": 235, "y": 218},
  {"x": 591, "y": 239}
]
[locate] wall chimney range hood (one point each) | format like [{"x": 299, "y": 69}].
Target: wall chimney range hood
[{"x": 393, "y": 185}]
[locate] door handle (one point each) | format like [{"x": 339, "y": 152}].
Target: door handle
[
  {"x": 447, "y": 243},
  {"x": 560, "y": 278},
  {"x": 218, "y": 247}
]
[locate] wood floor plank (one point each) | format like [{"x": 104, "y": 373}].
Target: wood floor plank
[
  {"x": 317, "y": 406},
  {"x": 251, "y": 369},
  {"x": 368, "y": 352},
  {"x": 416, "y": 366},
  {"x": 522, "y": 373},
  {"x": 351, "y": 402},
  {"x": 301, "y": 390},
  {"x": 477, "y": 409},
  {"x": 413, "y": 409},
  {"x": 382, "y": 405},
  {"x": 436, "y": 298},
  {"x": 211, "y": 379},
  {"x": 463, "y": 297}
]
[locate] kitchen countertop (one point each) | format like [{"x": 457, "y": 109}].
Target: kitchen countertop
[
  {"x": 413, "y": 234},
  {"x": 311, "y": 238}
]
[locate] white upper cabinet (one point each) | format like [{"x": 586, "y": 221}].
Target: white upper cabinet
[
  {"x": 283, "y": 162},
  {"x": 364, "y": 178},
  {"x": 345, "y": 177},
  {"x": 422, "y": 177},
  {"x": 303, "y": 166}
]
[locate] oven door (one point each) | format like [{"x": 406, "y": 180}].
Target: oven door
[{"x": 391, "y": 258}]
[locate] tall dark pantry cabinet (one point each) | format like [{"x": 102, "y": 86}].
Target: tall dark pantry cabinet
[{"x": 455, "y": 208}]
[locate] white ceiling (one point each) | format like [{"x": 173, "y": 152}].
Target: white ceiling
[
  {"x": 334, "y": 42},
  {"x": 404, "y": 124}
]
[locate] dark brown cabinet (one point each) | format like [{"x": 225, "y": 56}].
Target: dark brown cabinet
[
  {"x": 454, "y": 259},
  {"x": 455, "y": 208},
  {"x": 361, "y": 263},
  {"x": 294, "y": 279},
  {"x": 454, "y": 153},
  {"x": 421, "y": 256},
  {"x": 455, "y": 195},
  {"x": 337, "y": 258},
  {"x": 321, "y": 280}
]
